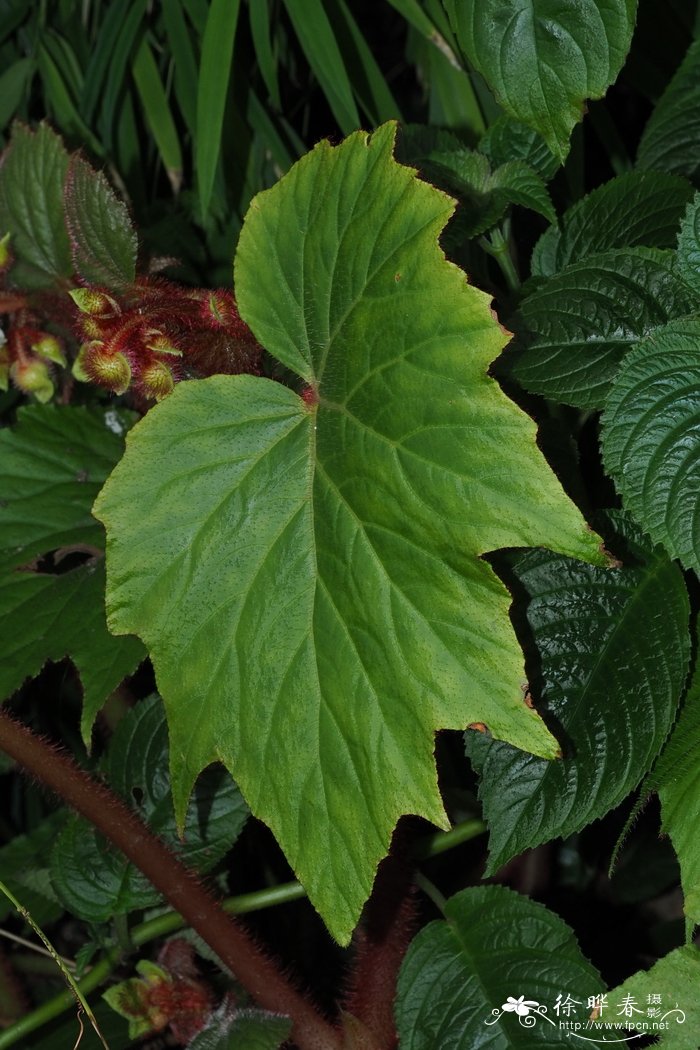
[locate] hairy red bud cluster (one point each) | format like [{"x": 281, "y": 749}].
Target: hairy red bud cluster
[
  {"x": 158, "y": 333},
  {"x": 28, "y": 354}
]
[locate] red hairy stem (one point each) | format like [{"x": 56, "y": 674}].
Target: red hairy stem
[
  {"x": 386, "y": 930},
  {"x": 258, "y": 974}
]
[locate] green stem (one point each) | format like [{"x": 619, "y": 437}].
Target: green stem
[
  {"x": 496, "y": 245},
  {"x": 442, "y": 841},
  {"x": 430, "y": 890}
]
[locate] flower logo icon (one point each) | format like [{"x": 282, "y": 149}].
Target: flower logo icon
[{"x": 520, "y": 1006}]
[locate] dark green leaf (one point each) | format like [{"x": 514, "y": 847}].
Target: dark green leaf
[
  {"x": 352, "y": 509},
  {"x": 244, "y": 1030},
  {"x": 485, "y": 195},
  {"x": 573, "y": 332},
  {"x": 639, "y": 208},
  {"x": 14, "y": 87},
  {"x": 103, "y": 239},
  {"x": 670, "y": 139},
  {"x": 156, "y": 108},
  {"x": 543, "y": 59},
  {"x": 461, "y": 978},
  {"x": 612, "y": 657},
  {"x": 46, "y": 617},
  {"x": 31, "y": 206},
  {"x": 92, "y": 879},
  {"x": 24, "y": 867},
  {"x": 650, "y": 438},
  {"x": 509, "y": 139},
  {"x": 689, "y": 246},
  {"x": 676, "y": 777},
  {"x": 54, "y": 462}
]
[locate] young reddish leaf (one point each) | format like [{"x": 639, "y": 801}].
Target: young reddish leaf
[
  {"x": 306, "y": 570},
  {"x": 102, "y": 237}
]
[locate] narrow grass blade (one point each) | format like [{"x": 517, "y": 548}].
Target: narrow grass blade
[
  {"x": 214, "y": 75},
  {"x": 320, "y": 46},
  {"x": 184, "y": 61},
  {"x": 259, "y": 14},
  {"x": 371, "y": 87},
  {"x": 157, "y": 112}
]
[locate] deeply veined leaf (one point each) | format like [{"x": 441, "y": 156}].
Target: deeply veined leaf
[
  {"x": 611, "y": 653},
  {"x": 507, "y": 139},
  {"x": 689, "y": 246},
  {"x": 53, "y": 463},
  {"x": 544, "y": 58},
  {"x": 670, "y": 139},
  {"x": 103, "y": 239},
  {"x": 24, "y": 865},
  {"x": 672, "y": 983},
  {"x": 31, "y": 206},
  {"x": 651, "y": 437},
  {"x": 676, "y": 777},
  {"x": 573, "y": 332},
  {"x": 306, "y": 570},
  {"x": 485, "y": 195},
  {"x": 243, "y": 1030},
  {"x": 460, "y": 979},
  {"x": 95, "y": 881},
  {"x": 638, "y": 208}
]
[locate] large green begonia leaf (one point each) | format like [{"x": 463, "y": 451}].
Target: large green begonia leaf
[
  {"x": 306, "y": 570},
  {"x": 463, "y": 979},
  {"x": 544, "y": 58},
  {"x": 610, "y": 663},
  {"x": 651, "y": 437},
  {"x": 661, "y": 1001}
]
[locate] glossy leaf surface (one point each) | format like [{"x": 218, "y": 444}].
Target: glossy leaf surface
[
  {"x": 651, "y": 437},
  {"x": 496, "y": 947},
  {"x": 689, "y": 246},
  {"x": 543, "y": 58},
  {"x": 307, "y": 575},
  {"x": 572, "y": 333},
  {"x": 245, "y": 1030},
  {"x": 612, "y": 652}
]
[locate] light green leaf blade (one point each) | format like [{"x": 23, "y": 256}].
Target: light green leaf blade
[
  {"x": 307, "y": 576},
  {"x": 572, "y": 333},
  {"x": 670, "y": 139},
  {"x": 544, "y": 59},
  {"x": 31, "y": 206},
  {"x": 103, "y": 239},
  {"x": 495, "y": 946},
  {"x": 676, "y": 777},
  {"x": 689, "y": 246},
  {"x": 212, "y": 88},
  {"x": 611, "y": 652},
  {"x": 638, "y": 208},
  {"x": 673, "y": 983},
  {"x": 650, "y": 441}
]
